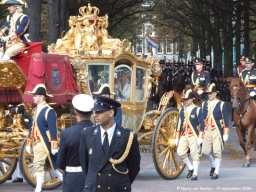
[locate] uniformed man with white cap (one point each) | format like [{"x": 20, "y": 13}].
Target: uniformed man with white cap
[
  {"x": 68, "y": 155},
  {"x": 109, "y": 153}
]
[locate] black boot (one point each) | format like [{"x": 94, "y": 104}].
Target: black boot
[
  {"x": 190, "y": 173},
  {"x": 212, "y": 171}
]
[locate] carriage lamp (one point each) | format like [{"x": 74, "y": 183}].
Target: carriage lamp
[{"x": 156, "y": 71}]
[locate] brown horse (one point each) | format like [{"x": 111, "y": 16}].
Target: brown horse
[{"x": 244, "y": 116}]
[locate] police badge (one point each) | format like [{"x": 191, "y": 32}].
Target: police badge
[{"x": 55, "y": 74}]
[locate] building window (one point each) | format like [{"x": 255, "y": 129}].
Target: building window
[
  {"x": 169, "y": 46},
  {"x": 177, "y": 48},
  {"x": 139, "y": 46},
  {"x": 148, "y": 49},
  {"x": 159, "y": 47},
  {"x": 149, "y": 30}
]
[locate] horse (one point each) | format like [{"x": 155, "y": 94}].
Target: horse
[
  {"x": 244, "y": 116},
  {"x": 178, "y": 82}
]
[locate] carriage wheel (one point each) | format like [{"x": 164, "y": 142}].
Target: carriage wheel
[
  {"x": 26, "y": 167},
  {"x": 167, "y": 162},
  {"x": 7, "y": 168}
]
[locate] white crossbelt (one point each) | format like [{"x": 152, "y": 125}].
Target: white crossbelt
[{"x": 73, "y": 169}]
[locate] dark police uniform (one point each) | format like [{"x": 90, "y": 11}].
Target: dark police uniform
[
  {"x": 102, "y": 172},
  {"x": 68, "y": 156}
]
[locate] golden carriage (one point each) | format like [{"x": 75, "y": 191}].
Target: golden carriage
[{"x": 96, "y": 59}]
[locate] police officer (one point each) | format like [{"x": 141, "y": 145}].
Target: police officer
[
  {"x": 104, "y": 90},
  {"x": 43, "y": 136},
  {"x": 200, "y": 79},
  {"x": 216, "y": 129},
  {"x": 109, "y": 153},
  {"x": 188, "y": 136},
  {"x": 248, "y": 76},
  {"x": 15, "y": 31},
  {"x": 68, "y": 155}
]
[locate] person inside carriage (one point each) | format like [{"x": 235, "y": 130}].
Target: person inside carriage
[
  {"x": 15, "y": 30},
  {"x": 200, "y": 79}
]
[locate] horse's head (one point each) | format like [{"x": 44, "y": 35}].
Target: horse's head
[{"x": 238, "y": 92}]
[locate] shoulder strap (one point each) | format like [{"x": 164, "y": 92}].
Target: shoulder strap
[
  {"x": 197, "y": 111},
  {"x": 46, "y": 113}
]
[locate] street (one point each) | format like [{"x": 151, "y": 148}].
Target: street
[{"x": 232, "y": 176}]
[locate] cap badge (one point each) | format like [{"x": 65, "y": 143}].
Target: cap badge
[{"x": 118, "y": 133}]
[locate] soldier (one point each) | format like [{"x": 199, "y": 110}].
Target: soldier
[
  {"x": 43, "y": 136},
  {"x": 200, "y": 79},
  {"x": 248, "y": 76},
  {"x": 188, "y": 136},
  {"x": 68, "y": 155},
  {"x": 109, "y": 153},
  {"x": 216, "y": 129},
  {"x": 15, "y": 31}
]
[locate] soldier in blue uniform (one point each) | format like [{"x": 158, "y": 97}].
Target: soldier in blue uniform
[
  {"x": 15, "y": 31},
  {"x": 104, "y": 90},
  {"x": 200, "y": 79},
  {"x": 216, "y": 129},
  {"x": 43, "y": 137},
  {"x": 188, "y": 135},
  {"x": 109, "y": 153},
  {"x": 68, "y": 155},
  {"x": 248, "y": 76}
]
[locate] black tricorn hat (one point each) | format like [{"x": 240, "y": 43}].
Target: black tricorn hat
[
  {"x": 40, "y": 89},
  {"x": 211, "y": 88},
  {"x": 14, "y": 2},
  {"x": 187, "y": 94},
  {"x": 104, "y": 103},
  {"x": 104, "y": 89}
]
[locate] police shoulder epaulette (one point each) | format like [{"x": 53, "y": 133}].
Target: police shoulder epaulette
[
  {"x": 127, "y": 129},
  {"x": 86, "y": 128}
]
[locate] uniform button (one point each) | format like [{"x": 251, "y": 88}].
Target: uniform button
[
  {"x": 109, "y": 175},
  {"x": 86, "y": 187},
  {"x": 99, "y": 174},
  {"x": 108, "y": 188},
  {"x": 99, "y": 186},
  {"x": 124, "y": 188}
]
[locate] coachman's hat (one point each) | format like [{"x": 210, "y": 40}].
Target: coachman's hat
[
  {"x": 187, "y": 94},
  {"x": 104, "y": 103},
  {"x": 14, "y": 2},
  {"x": 83, "y": 103},
  {"x": 211, "y": 88},
  {"x": 104, "y": 89},
  {"x": 40, "y": 89}
]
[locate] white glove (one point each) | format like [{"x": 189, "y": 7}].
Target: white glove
[
  {"x": 176, "y": 142},
  {"x": 199, "y": 141},
  {"x": 200, "y": 92},
  {"x": 54, "y": 151},
  {"x": 5, "y": 39},
  {"x": 28, "y": 149},
  {"x": 252, "y": 93},
  {"x": 225, "y": 138}
]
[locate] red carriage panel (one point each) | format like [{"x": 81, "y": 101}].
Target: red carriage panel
[{"x": 55, "y": 71}]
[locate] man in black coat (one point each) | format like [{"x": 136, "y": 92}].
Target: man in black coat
[
  {"x": 68, "y": 155},
  {"x": 109, "y": 153}
]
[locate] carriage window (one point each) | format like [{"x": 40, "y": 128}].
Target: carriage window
[
  {"x": 123, "y": 82},
  {"x": 98, "y": 75},
  {"x": 140, "y": 84}
]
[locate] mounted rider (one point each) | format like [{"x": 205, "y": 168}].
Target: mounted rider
[
  {"x": 15, "y": 30},
  {"x": 200, "y": 79},
  {"x": 248, "y": 76}
]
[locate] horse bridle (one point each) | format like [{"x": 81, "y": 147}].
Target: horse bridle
[{"x": 241, "y": 102}]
